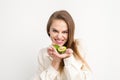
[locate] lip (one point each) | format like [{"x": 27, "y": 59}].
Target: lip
[{"x": 59, "y": 42}]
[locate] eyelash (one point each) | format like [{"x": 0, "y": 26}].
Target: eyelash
[
  {"x": 65, "y": 32},
  {"x": 54, "y": 30},
  {"x": 62, "y": 32}
]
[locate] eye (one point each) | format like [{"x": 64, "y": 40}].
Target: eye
[
  {"x": 54, "y": 30},
  {"x": 65, "y": 32}
]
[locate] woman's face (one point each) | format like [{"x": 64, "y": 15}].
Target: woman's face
[{"x": 58, "y": 32}]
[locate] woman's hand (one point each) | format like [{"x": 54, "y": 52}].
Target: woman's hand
[
  {"x": 55, "y": 55},
  {"x": 57, "y": 58}
]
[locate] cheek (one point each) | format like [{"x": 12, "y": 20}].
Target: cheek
[
  {"x": 52, "y": 34},
  {"x": 66, "y": 36}
]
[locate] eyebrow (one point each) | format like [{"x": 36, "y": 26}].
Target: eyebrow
[{"x": 57, "y": 30}]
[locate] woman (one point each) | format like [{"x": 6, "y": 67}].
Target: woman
[{"x": 69, "y": 65}]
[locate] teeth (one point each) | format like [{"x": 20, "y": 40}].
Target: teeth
[{"x": 59, "y": 41}]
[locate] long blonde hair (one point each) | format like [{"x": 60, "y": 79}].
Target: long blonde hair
[{"x": 71, "y": 43}]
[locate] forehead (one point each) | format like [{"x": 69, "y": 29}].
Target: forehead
[{"x": 59, "y": 24}]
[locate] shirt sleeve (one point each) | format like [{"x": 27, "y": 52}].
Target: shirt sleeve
[
  {"x": 49, "y": 74},
  {"x": 73, "y": 70},
  {"x": 44, "y": 72}
]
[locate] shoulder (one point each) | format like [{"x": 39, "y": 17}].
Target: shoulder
[
  {"x": 81, "y": 47},
  {"x": 42, "y": 52}
]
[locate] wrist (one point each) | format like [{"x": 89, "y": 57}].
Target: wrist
[{"x": 56, "y": 64}]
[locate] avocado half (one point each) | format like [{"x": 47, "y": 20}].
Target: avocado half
[{"x": 60, "y": 49}]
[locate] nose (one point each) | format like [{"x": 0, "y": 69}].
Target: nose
[{"x": 59, "y": 35}]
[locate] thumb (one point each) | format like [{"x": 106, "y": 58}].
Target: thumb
[{"x": 69, "y": 51}]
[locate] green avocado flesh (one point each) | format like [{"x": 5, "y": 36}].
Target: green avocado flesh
[
  {"x": 60, "y": 49},
  {"x": 56, "y": 46}
]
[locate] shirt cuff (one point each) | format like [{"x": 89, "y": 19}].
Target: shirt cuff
[
  {"x": 72, "y": 61},
  {"x": 68, "y": 61}
]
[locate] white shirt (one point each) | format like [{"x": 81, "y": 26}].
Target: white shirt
[{"x": 72, "y": 69}]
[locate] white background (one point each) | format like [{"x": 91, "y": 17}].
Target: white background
[{"x": 23, "y": 33}]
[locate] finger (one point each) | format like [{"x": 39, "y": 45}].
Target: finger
[
  {"x": 69, "y": 51},
  {"x": 50, "y": 48},
  {"x": 54, "y": 50},
  {"x": 50, "y": 51}
]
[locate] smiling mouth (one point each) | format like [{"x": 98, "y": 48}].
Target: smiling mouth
[{"x": 59, "y": 41}]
